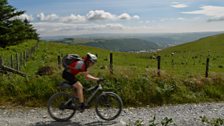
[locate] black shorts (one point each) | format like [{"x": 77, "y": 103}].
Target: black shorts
[{"x": 69, "y": 77}]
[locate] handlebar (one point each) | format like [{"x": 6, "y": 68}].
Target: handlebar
[{"x": 100, "y": 80}]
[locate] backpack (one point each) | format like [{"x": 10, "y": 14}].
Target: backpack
[{"x": 69, "y": 59}]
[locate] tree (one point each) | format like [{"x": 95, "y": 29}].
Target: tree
[
  {"x": 31, "y": 31},
  {"x": 12, "y": 29}
]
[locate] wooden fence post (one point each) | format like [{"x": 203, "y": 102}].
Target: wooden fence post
[
  {"x": 111, "y": 63},
  {"x": 59, "y": 62},
  {"x": 17, "y": 61},
  {"x": 207, "y": 67},
  {"x": 11, "y": 61},
  {"x": 172, "y": 62},
  {"x": 27, "y": 54},
  {"x": 158, "y": 65},
  {"x": 1, "y": 62},
  {"x": 1, "y": 65},
  {"x": 24, "y": 58},
  {"x": 21, "y": 59}
]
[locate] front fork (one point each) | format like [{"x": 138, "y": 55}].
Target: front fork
[{"x": 105, "y": 99}]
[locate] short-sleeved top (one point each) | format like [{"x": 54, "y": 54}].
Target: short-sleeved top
[{"x": 77, "y": 67}]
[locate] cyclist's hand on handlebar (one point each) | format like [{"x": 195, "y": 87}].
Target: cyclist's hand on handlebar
[{"x": 100, "y": 80}]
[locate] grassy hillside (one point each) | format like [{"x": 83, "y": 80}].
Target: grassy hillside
[
  {"x": 190, "y": 58},
  {"x": 11, "y": 50},
  {"x": 134, "y": 76}
]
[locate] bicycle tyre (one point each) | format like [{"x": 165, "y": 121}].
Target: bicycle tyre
[
  {"x": 101, "y": 100},
  {"x": 50, "y": 106}
]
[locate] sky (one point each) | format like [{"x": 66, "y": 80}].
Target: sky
[{"x": 76, "y": 17}]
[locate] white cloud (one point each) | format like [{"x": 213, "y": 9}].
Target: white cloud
[
  {"x": 212, "y": 11},
  {"x": 126, "y": 16},
  {"x": 178, "y": 5},
  {"x": 53, "y": 24},
  {"x": 73, "y": 19},
  {"x": 103, "y": 15},
  {"x": 99, "y": 15},
  {"x": 136, "y": 17},
  {"x": 96, "y": 15},
  {"x": 53, "y": 28},
  {"x": 215, "y": 13},
  {"x": 25, "y": 16},
  {"x": 50, "y": 17}
]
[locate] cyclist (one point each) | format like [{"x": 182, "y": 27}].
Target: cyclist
[{"x": 80, "y": 67}]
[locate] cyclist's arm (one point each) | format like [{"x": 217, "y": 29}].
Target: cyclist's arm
[{"x": 90, "y": 77}]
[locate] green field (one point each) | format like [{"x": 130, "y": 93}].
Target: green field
[
  {"x": 190, "y": 58},
  {"x": 135, "y": 80}
]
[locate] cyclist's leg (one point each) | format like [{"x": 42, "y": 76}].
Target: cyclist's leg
[{"x": 78, "y": 86}]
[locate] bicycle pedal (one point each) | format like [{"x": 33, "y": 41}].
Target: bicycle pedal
[
  {"x": 71, "y": 106},
  {"x": 81, "y": 110},
  {"x": 87, "y": 106}
]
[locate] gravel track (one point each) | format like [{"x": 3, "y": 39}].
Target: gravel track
[{"x": 183, "y": 115}]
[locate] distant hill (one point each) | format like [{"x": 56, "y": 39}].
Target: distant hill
[
  {"x": 204, "y": 46},
  {"x": 124, "y": 45},
  {"x": 190, "y": 58},
  {"x": 172, "y": 39},
  {"x": 162, "y": 40}
]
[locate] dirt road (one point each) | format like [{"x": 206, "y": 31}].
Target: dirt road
[{"x": 183, "y": 115}]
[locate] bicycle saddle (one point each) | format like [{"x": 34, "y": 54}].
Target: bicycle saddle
[{"x": 64, "y": 85}]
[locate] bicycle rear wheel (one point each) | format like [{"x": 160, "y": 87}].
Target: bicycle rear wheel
[
  {"x": 108, "y": 106},
  {"x": 58, "y": 106}
]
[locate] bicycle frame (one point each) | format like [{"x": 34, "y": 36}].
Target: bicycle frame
[
  {"x": 91, "y": 97},
  {"x": 96, "y": 89}
]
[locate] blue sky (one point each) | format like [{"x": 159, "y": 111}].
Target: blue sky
[{"x": 72, "y": 17}]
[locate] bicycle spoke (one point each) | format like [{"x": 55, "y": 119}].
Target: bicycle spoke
[
  {"x": 107, "y": 110},
  {"x": 58, "y": 107},
  {"x": 108, "y": 106}
]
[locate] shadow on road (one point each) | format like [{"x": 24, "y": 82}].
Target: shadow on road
[
  {"x": 100, "y": 123},
  {"x": 70, "y": 123}
]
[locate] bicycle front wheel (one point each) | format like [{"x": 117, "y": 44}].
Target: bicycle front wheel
[
  {"x": 57, "y": 107},
  {"x": 108, "y": 106}
]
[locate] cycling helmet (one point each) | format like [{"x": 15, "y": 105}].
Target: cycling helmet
[{"x": 91, "y": 57}]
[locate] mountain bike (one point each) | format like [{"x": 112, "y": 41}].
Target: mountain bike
[{"x": 62, "y": 106}]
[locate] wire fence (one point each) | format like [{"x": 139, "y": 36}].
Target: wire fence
[
  {"x": 16, "y": 61},
  {"x": 206, "y": 66}
]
